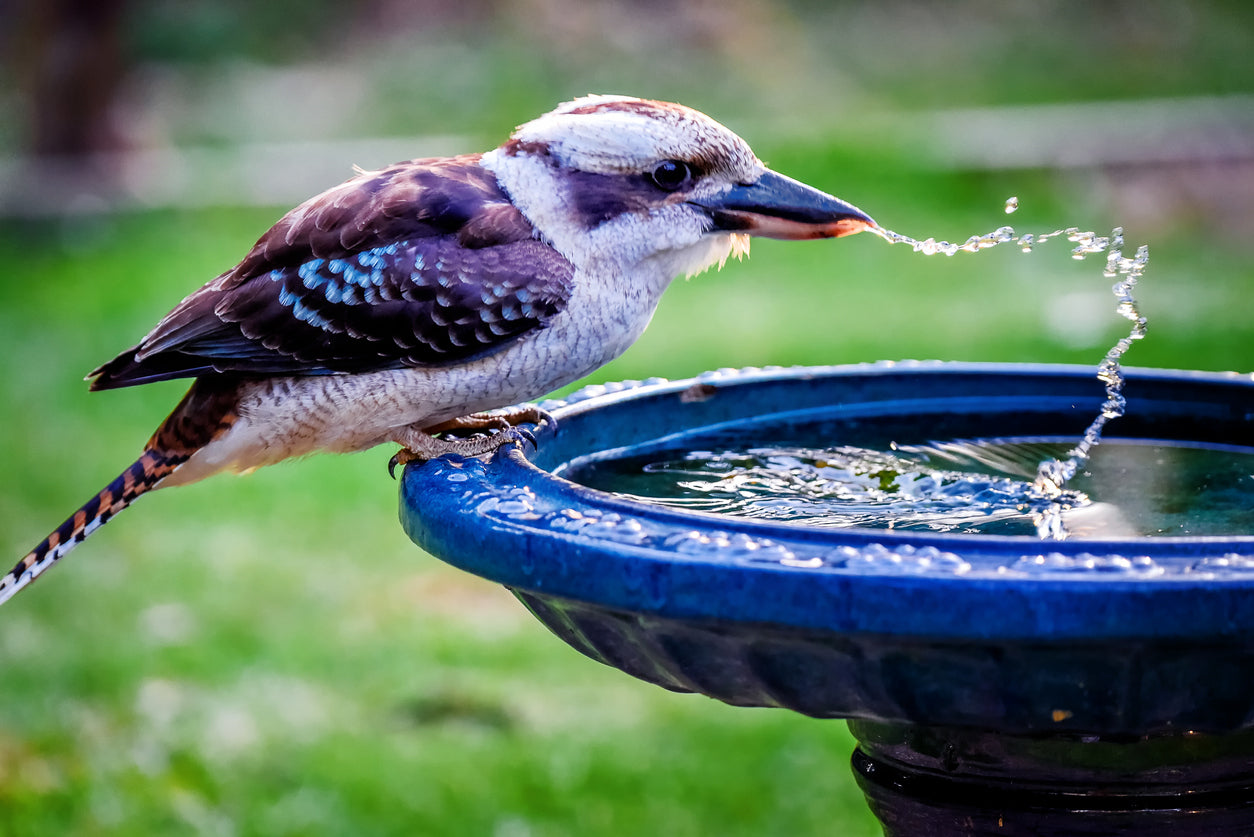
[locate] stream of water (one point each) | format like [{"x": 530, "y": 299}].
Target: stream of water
[{"x": 1053, "y": 474}]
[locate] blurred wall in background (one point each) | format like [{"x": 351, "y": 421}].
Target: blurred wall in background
[{"x": 122, "y": 103}]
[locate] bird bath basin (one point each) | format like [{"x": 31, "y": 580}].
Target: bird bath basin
[{"x": 996, "y": 683}]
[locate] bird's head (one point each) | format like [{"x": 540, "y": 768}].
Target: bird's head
[{"x": 614, "y": 177}]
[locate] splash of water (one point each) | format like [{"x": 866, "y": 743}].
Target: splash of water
[{"x": 1049, "y": 487}]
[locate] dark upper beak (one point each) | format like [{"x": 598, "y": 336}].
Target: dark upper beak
[{"x": 780, "y": 207}]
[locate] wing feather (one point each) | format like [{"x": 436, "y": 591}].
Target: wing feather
[{"x": 423, "y": 263}]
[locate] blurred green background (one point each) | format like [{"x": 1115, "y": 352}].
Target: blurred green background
[{"x": 269, "y": 654}]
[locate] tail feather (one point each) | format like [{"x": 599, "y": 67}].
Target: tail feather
[{"x": 141, "y": 477}]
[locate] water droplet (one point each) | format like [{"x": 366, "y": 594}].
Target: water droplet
[
  {"x": 1012, "y": 203},
  {"x": 1114, "y": 409}
]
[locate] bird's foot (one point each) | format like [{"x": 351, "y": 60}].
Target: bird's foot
[
  {"x": 493, "y": 430},
  {"x": 514, "y": 416}
]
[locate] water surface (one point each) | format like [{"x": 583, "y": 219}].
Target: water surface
[{"x": 1127, "y": 487}]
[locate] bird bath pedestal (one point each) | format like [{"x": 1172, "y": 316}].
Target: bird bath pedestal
[{"x": 996, "y": 684}]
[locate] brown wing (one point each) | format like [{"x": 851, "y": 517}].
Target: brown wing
[{"x": 425, "y": 262}]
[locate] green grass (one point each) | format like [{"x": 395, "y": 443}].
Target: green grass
[{"x": 270, "y": 655}]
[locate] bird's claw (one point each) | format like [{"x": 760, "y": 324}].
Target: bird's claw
[
  {"x": 543, "y": 418},
  {"x": 401, "y": 457},
  {"x": 525, "y": 435},
  {"x": 420, "y": 444}
]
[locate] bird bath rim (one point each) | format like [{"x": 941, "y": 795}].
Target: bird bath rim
[{"x": 666, "y": 561}]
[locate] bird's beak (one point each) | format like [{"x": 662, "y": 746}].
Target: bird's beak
[{"x": 779, "y": 207}]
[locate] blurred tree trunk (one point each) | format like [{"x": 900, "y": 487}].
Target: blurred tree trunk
[{"x": 68, "y": 63}]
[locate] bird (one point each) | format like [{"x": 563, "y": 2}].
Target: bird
[{"x": 414, "y": 304}]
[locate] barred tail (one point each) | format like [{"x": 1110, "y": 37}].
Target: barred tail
[{"x": 142, "y": 476}]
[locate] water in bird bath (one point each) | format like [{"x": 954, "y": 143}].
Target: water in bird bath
[
  {"x": 883, "y": 475},
  {"x": 1127, "y": 488},
  {"x": 1051, "y": 497}
]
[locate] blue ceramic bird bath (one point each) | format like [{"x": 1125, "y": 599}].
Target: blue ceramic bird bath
[{"x": 996, "y": 683}]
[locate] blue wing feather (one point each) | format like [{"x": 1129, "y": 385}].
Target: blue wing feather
[{"x": 443, "y": 268}]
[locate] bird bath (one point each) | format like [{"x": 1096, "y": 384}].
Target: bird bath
[{"x": 996, "y": 683}]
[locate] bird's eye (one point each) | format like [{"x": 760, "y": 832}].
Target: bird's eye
[{"x": 671, "y": 175}]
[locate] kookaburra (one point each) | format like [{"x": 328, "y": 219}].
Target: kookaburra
[{"x": 409, "y": 301}]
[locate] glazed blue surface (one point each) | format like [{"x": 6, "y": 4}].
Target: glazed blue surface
[{"x": 1085, "y": 635}]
